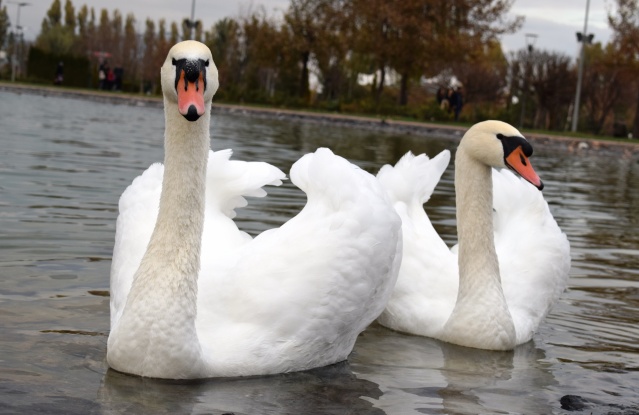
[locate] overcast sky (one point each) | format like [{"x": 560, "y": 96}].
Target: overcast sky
[{"x": 555, "y": 22}]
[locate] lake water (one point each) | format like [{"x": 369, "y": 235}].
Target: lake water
[{"x": 65, "y": 162}]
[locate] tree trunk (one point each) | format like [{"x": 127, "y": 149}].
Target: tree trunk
[
  {"x": 304, "y": 92},
  {"x": 403, "y": 91},
  {"x": 635, "y": 124}
]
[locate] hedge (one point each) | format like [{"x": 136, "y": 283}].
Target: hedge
[{"x": 42, "y": 68}]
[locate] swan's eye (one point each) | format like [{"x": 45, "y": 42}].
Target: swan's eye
[
  {"x": 173, "y": 61},
  {"x": 500, "y": 136},
  {"x": 206, "y": 63}
]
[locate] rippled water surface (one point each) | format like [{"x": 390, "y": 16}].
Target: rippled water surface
[{"x": 65, "y": 163}]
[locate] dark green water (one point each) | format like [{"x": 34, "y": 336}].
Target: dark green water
[{"x": 64, "y": 164}]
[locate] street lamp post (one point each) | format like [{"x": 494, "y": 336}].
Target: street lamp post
[
  {"x": 583, "y": 39},
  {"x": 531, "y": 38},
  {"x": 191, "y": 23},
  {"x": 192, "y": 19},
  {"x": 17, "y": 48}
]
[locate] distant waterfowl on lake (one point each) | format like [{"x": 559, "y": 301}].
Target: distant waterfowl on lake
[
  {"x": 192, "y": 296},
  {"x": 493, "y": 289}
]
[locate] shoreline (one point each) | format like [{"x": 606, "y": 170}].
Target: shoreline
[{"x": 628, "y": 149}]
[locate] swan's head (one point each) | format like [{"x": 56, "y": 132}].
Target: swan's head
[
  {"x": 189, "y": 78},
  {"x": 498, "y": 144}
]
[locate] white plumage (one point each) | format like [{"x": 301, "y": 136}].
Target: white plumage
[
  {"x": 290, "y": 299},
  {"x": 509, "y": 285}
]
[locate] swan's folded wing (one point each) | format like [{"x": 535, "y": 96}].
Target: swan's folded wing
[
  {"x": 426, "y": 289},
  {"x": 534, "y": 254},
  {"x": 323, "y": 276}
]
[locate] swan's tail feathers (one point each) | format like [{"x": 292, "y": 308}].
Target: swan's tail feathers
[
  {"x": 330, "y": 176},
  {"x": 229, "y": 181},
  {"x": 413, "y": 179}
]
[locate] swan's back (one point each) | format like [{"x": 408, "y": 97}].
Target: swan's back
[
  {"x": 534, "y": 254},
  {"x": 300, "y": 294}
]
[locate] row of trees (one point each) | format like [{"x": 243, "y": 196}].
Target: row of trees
[{"x": 315, "y": 53}]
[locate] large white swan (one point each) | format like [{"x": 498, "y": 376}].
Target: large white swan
[
  {"x": 193, "y": 297},
  {"x": 492, "y": 290}
]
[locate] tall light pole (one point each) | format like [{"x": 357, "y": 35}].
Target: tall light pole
[
  {"x": 583, "y": 39},
  {"x": 193, "y": 19},
  {"x": 191, "y": 23},
  {"x": 17, "y": 52},
  {"x": 531, "y": 38}
]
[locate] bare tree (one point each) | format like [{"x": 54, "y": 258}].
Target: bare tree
[
  {"x": 483, "y": 75},
  {"x": 149, "y": 71},
  {"x": 605, "y": 86},
  {"x": 544, "y": 83},
  {"x": 4, "y": 24},
  {"x": 131, "y": 49},
  {"x": 625, "y": 25},
  {"x": 302, "y": 24},
  {"x": 553, "y": 81}
]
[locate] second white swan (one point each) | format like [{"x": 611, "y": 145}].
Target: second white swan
[{"x": 493, "y": 289}]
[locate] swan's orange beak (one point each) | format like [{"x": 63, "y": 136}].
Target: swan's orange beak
[
  {"x": 519, "y": 162},
  {"x": 190, "y": 96}
]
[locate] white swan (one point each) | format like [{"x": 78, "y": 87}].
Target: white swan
[
  {"x": 193, "y": 297},
  {"x": 493, "y": 289}
]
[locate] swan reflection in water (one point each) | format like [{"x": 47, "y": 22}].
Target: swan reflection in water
[
  {"x": 327, "y": 390},
  {"x": 388, "y": 373},
  {"x": 421, "y": 373}
]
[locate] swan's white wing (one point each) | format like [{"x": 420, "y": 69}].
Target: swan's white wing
[
  {"x": 138, "y": 210},
  {"x": 426, "y": 289},
  {"x": 227, "y": 183},
  {"x": 534, "y": 254},
  {"x": 299, "y": 295}
]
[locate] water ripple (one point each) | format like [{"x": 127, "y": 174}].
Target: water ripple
[{"x": 66, "y": 162}]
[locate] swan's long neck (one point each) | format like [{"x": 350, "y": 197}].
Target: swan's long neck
[
  {"x": 474, "y": 193},
  {"x": 157, "y": 331},
  {"x": 481, "y": 310},
  {"x": 178, "y": 231}
]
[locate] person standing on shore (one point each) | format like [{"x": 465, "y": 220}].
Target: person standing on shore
[
  {"x": 456, "y": 102},
  {"x": 101, "y": 76},
  {"x": 59, "y": 74}
]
